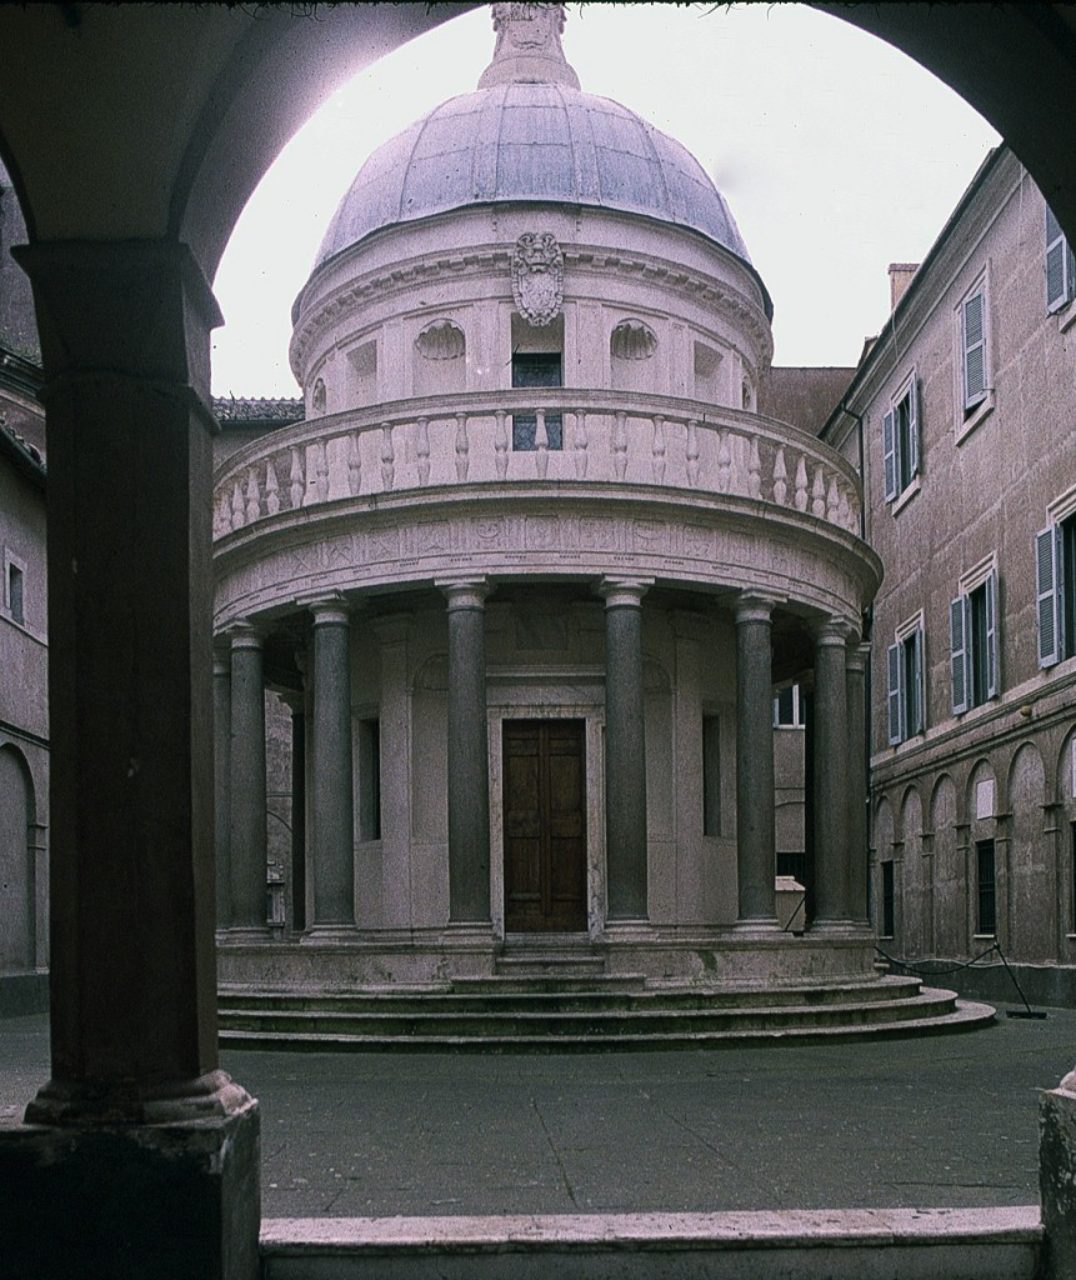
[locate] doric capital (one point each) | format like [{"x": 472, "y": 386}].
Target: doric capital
[
  {"x": 464, "y": 593},
  {"x": 328, "y": 608},
  {"x": 831, "y": 631},
  {"x": 755, "y": 606},
  {"x": 624, "y": 593},
  {"x": 244, "y": 635},
  {"x": 857, "y": 656}
]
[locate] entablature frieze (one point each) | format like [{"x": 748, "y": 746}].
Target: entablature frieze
[{"x": 818, "y": 569}]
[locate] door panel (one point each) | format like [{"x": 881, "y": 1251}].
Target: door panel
[{"x": 545, "y": 856}]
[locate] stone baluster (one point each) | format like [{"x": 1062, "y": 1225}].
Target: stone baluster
[
  {"x": 620, "y": 445},
  {"x": 818, "y": 494},
  {"x": 580, "y": 441},
  {"x": 780, "y": 477},
  {"x": 658, "y": 463},
  {"x": 331, "y": 814},
  {"x": 692, "y": 453},
  {"x": 468, "y": 752},
  {"x": 296, "y": 479},
  {"x": 625, "y": 749},
  {"x": 724, "y": 463},
  {"x": 422, "y": 450},
  {"x": 463, "y": 448},
  {"x": 354, "y": 464},
  {"x": 755, "y": 831},
  {"x": 541, "y": 444},
  {"x": 272, "y": 488},
  {"x": 321, "y": 471},
  {"x": 833, "y": 501},
  {"x": 254, "y": 496},
  {"x": 500, "y": 444},
  {"x": 801, "y": 484},
  {"x": 754, "y": 470},
  {"x": 238, "y": 510},
  {"x": 388, "y": 456}
]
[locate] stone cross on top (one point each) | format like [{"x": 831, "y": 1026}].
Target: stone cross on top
[{"x": 528, "y": 47}]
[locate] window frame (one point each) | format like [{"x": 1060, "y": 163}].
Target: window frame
[
  {"x": 1054, "y": 556},
  {"x": 14, "y": 562},
  {"x": 908, "y": 650},
  {"x": 900, "y": 458},
  {"x": 964, "y": 658},
  {"x": 972, "y": 408}
]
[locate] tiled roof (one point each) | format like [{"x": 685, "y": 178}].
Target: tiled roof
[{"x": 281, "y": 410}]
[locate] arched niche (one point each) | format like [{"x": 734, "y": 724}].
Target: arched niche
[
  {"x": 1032, "y": 864},
  {"x": 950, "y": 876},
  {"x": 17, "y": 872},
  {"x": 632, "y": 346},
  {"x": 440, "y": 359},
  {"x": 918, "y": 882}
]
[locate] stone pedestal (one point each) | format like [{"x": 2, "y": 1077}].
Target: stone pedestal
[{"x": 1057, "y": 1177}]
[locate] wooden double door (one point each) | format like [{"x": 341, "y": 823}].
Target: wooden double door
[{"x": 545, "y": 847}]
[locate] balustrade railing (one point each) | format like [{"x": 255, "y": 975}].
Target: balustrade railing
[{"x": 619, "y": 437}]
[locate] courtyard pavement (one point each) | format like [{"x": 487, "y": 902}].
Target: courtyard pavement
[{"x": 937, "y": 1121}]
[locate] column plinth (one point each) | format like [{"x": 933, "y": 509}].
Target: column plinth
[
  {"x": 832, "y": 771},
  {"x": 332, "y": 826},
  {"x": 755, "y": 830},
  {"x": 625, "y": 750},
  {"x": 468, "y": 752}
]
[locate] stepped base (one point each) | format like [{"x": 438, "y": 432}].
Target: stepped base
[
  {"x": 512, "y": 1013},
  {"x": 857, "y": 1244}
]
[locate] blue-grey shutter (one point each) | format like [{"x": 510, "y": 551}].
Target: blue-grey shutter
[
  {"x": 894, "y": 700},
  {"x": 913, "y": 428},
  {"x": 1057, "y": 264},
  {"x": 889, "y": 455},
  {"x": 993, "y": 682},
  {"x": 974, "y": 332},
  {"x": 916, "y": 715},
  {"x": 958, "y": 655},
  {"x": 1047, "y": 596}
]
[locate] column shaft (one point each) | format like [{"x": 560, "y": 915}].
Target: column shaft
[
  {"x": 754, "y": 765},
  {"x": 222, "y": 749},
  {"x": 859, "y": 868},
  {"x": 832, "y": 769},
  {"x": 332, "y": 813},
  {"x": 298, "y": 817},
  {"x": 468, "y": 754},
  {"x": 625, "y": 752},
  {"x": 248, "y": 837}
]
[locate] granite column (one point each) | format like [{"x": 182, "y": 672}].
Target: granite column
[
  {"x": 831, "y": 777},
  {"x": 754, "y": 764}
]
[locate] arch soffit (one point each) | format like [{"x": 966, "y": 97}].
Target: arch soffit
[{"x": 230, "y": 131}]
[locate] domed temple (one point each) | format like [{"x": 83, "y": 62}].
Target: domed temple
[{"x": 528, "y": 573}]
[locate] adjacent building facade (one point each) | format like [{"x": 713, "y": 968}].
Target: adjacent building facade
[{"x": 966, "y": 402}]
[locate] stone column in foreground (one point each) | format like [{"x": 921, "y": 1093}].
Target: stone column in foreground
[
  {"x": 296, "y": 703},
  {"x": 140, "y": 1156},
  {"x": 625, "y": 749},
  {"x": 832, "y": 771},
  {"x": 332, "y": 824},
  {"x": 468, "y": 752},
  {"x": 248, "y": 840},
  {"x": 755, "y": 863}
]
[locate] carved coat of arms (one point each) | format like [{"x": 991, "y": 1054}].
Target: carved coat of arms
[{"x": 538, "y": 277}]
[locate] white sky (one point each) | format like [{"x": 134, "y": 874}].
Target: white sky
[{"x": 836, "y": 153}]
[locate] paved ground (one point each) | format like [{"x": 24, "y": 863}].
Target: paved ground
[{"x": 946, "y": 1121}]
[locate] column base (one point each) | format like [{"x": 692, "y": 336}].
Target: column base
[
  {"x": 767, "y": 925},
  {"x": 843, "y": 928},
  {"x": 244, "y": 934},
  {"x": 174, "y": 1201},
  {"x": 328, "y": 935}
]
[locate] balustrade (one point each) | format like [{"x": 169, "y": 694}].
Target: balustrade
[{"x": 466, "y": 439}]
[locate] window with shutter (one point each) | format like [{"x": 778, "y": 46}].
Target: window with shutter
[
  {"x": 990, "y": 657},
  {"x": 1060, "y": 266},
  {"x": 974, "y": 335},
  {"x": 1047, "y": 596},
  {"x": 915, "y": 711},
  {"x": 894, "y": 699},
  {"x": 889, "y": 455},
  {"x": 958, "y": 657},
  {"x": 900, "y": 440}
]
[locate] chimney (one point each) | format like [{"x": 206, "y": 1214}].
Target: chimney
[{"x": 900, "y": 277}]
